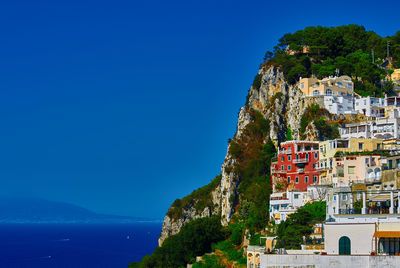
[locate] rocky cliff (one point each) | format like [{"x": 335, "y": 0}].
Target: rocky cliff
[{"x": 283, "y": 105}]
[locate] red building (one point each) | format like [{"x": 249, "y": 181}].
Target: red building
[{"x": 295, "y": 166}]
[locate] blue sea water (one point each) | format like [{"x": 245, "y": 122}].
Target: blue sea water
[{"x": 76, "y": 245}]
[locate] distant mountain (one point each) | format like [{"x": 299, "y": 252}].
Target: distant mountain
[{"x": 34, "y": 210}]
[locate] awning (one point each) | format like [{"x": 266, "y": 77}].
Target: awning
[
  {"x": 380, "y": 198},
  {"x": 390, "y": 234}
]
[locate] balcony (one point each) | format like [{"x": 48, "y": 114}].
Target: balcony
[
  {"x": 273, "y": 171},
  {"x": 300, "y": 160},
  {"x": 300, "y": 170},
  {"x": 374, "y": 210}
]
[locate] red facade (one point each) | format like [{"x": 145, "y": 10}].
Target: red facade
[{"x": 297, "y": 164}]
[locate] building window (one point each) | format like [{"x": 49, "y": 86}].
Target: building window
[
  {"x": 360, "y": 145},
  {"x": 334, "y": 197},
  {"x": 378, "y": 146},
  {"x": 351, "y": 170},
  {"x": 289, "y": 167},
  {"x": 306, "y": 179},
  {"x": 289, "y": 158},
  {"x": 302, "y": 85},
  {"x": 288, "y": 179},
  {"x": 344, "y": 197},
  {"x": 282, "y": 167},
  {"x": 282, "y": 159},
  {"x": 316, "y": 155},
  {"x": 297, "y": 179},
  {"x": 315, "y": 179},
  {"x": 328, "y": 92},
  {"x": 349, "y": 86},
  {"x": 296, "y": 196},
  {"x": 316, "y": 93}
]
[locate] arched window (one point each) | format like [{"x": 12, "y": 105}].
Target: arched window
[
  {"x": 328, "y": 92},
  {"x": 344, "y": 246},
  {"x": 316, "y": 92}
]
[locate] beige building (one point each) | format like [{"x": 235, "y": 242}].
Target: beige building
[
  {"x": 328, "y": 149},
  {"x": 356, "y": 169},
  {"x": 396, "y": 75},
  {"x": 330, "y": 86},
  {"x": 253, "y": 256}
]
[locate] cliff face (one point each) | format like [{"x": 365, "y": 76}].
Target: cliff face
[{"x": 280, "y": 103}]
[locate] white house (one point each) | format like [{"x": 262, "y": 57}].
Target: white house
[
  {"x": 373, "y": 228},
  {"x": 370, "y": 106},
  {"x": 385, "y": 128},
  {"x": 285, "y": 203}
]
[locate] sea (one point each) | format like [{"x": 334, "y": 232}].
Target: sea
[{"x": 76, "y": 245}]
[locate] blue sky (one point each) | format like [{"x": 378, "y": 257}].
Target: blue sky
[{"x": 124, "y": 106}]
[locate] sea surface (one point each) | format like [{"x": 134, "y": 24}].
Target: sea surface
[{"x": 76, "y": 245}]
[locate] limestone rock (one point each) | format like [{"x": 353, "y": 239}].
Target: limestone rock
[{"x": 283, "y": 105}]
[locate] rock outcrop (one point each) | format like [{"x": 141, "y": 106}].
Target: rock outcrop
[{"x": 283, "y": 105}]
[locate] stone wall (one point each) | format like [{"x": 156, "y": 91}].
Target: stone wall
[{"x": 322, "y": 261}]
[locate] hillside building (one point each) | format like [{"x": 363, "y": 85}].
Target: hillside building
[
  {"x": 296, "y": 165},
  {"x": 372, "y": 228},
  {"x": 386, "y": 128},
  {"x": 330, "y": 86},
  {"x": 285, "y": 203},
  {"x": 328, "y": 150}
]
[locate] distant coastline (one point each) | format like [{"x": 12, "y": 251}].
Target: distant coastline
[{"x": 39, "y": 211}]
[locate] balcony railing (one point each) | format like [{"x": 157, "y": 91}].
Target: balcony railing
[
  {"x": 300, "y": 170},
  {"x": 352, "y": 211},
  {"x": 300, "y": 160},
  {"x": 278, "y": 171}
]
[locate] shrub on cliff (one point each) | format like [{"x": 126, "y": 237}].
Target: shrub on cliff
[
  {"x": 200, "y": 198},
  {"x": 194, "y": 239},
  {"x": 316, "y": 114},
  {"x": 253, "y": 158},
  {"x": 291, "y": 231}
]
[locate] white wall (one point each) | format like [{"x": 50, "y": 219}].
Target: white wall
[
  {"x": 361, "y": 237},
  {"x": 320, "y": 261}
]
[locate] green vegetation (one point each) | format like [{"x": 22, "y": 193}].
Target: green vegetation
[
  {"x": 208, "y": 261},
  {"x": 291, "y": 231},
  {"x": 347, "y": 48},
  {"x": 257, "y": 81},
  {"x": 253, "y": 161},
  {"x": 194, "y": 239},
  {"x": 230, "y": 252},
  {"x": 316, "y": 114},
  {"x": 289, "y": 135},
  {"x": 201, "y": 196}
]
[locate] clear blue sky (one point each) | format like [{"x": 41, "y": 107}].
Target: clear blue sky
[{"x": 124, "y": 106}]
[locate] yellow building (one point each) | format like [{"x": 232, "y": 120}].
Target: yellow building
[
  {"x": 396, "y": 75},
  {"x": 330, "y": 86},
  {"x": 328, "y": 149}
]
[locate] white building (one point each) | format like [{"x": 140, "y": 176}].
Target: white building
[
  {"x": 374, "y": 228},
  {"x": 385, "y": 128},
  {"x": 285, "y": 203},
  {"x": 339, "y": 104},
  {"x": 370, "y": 106}
]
